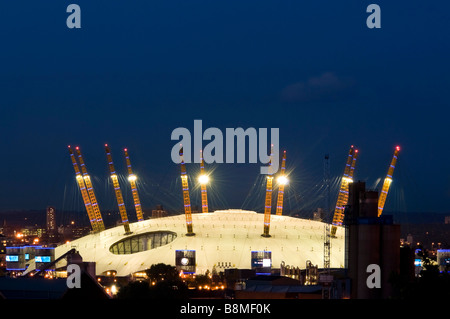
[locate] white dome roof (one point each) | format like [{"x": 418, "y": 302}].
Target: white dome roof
[{"x": 223, "y": 238}]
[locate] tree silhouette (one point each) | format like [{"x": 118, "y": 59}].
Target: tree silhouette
[
  {"x": 164, "y": 283},
  {"x": 430, "y": 285}
]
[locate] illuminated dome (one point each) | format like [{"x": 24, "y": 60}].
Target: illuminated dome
[{"x": 223, "y": 239}]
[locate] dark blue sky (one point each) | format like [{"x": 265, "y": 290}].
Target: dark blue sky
[{"x": 137, "y": 70}]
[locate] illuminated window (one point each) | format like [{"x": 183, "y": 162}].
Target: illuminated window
[
  {"x": 12, "y": 258},
  {"x": 142, "y": 242},
  {"x": 42, "y": 259}
]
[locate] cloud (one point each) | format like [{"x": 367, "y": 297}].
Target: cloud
[{"x": 326, "y": 87}]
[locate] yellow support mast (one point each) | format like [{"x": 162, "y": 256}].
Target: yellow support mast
[
  {"x": 338, "y": 217},
  {"x": 282, "y": 181},
  {"x": 387, "y": 182},
  {"x": 349, "y": 180},
  {"x": 115, "y": 179},
  {"x": 268, "y": 200},
  {"x": 90, "y": 189},
  {"x": 186, "y": 198},
  {"x": 203, "y": 180},
  {"x": 84, "y": 194},
  {"x": 132, "y": 179},
  {"x": 352, "y": 169}
]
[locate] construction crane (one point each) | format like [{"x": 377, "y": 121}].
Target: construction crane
[
  {"x": 186, "y": 198},
  {"x": 120, "y": 203},
  {"x": 90, "y": 189},
  {"x": 338, "y": 217},
  {"x": 387, "y": 182},
  {"x": 132, "y": 179},
  {"x": 282, "y": 181},
  {"x": 84, "y": 193},
  {"x": 268, "y": 200},
  {"x": 203, "y": 180}
]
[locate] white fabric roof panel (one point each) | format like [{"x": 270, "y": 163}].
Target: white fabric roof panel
[{"x": 222, "y": 239}]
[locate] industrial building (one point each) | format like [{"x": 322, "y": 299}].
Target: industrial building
[{"x": 371, "y": 241}]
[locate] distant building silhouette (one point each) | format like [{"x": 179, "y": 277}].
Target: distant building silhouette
[
  {"x": 51, "y": 223},
  {"x": 159, "y": 212},
  {"x": 318, "y": 215}
]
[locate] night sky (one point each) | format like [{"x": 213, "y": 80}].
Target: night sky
[{"x": 136, "y": 70}]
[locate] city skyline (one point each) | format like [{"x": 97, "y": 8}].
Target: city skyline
[
  {"x": 132, "y": 74},
  {"x": 194, "y": 155}
]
